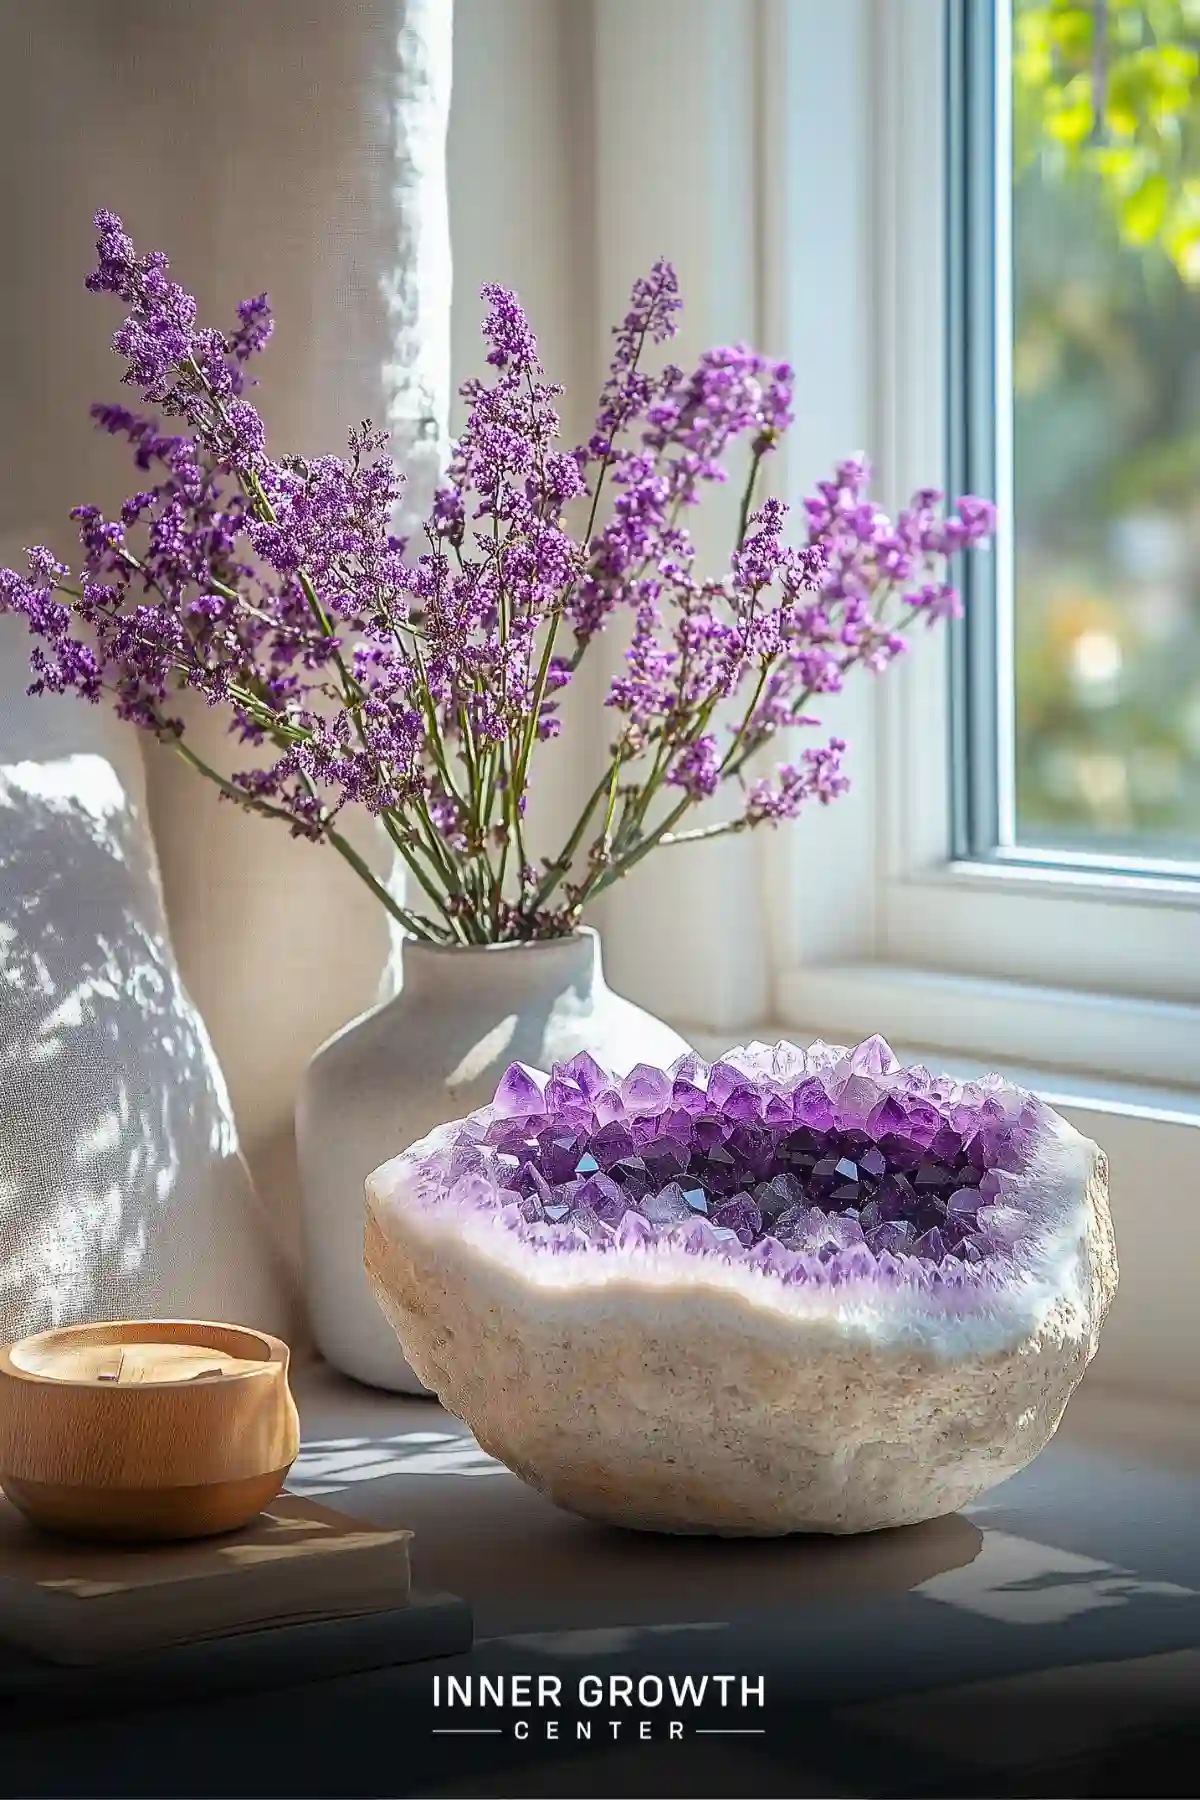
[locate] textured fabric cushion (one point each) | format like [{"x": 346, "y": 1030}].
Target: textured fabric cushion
[{"x": 122, "y": 1189}]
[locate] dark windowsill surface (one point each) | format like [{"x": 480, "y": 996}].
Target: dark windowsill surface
[{"x": 1047, "y": 1641}]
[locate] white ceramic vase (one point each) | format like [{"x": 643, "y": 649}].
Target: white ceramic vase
[{"x": 434, "y": 1053}]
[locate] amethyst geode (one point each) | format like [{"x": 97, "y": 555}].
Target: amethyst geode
[{"x": 793, "y": 1290}]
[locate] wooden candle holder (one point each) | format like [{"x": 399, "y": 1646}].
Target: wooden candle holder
[{"x": 146, "y": 1429}]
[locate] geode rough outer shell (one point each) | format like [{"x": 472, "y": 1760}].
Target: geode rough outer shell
[{"x": 795, "y": 1290}]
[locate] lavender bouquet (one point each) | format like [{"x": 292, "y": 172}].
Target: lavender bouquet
[{"x": 417, "y": 681}]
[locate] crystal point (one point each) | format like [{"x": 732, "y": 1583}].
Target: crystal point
[
  {"x": 521, "y": 1092},
  {"x": 873, "y": 1057},
  {"x": 670, "y": 1207},
  {"x": 586, "y": 1073},
  {"x": 646, "y": 1090}
]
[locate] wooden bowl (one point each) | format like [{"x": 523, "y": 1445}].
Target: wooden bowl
[{"x": 145, "y": 1429}]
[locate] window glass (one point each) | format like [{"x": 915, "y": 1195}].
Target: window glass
[{"x": 1106, "y": 425}]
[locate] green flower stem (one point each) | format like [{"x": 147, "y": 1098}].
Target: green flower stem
[
  {"x": 266, "y": 716},
  {"x": 548, "y": 649},
  {"x": 611, "y": 806},
  {"x": 482, "y": 878},
  {"x": 434, "y": 735},
  {"x": 661, "y": 831},
  {"x": 702, "y": 832},
  {"x": 248, "y": 801},
  {"x": 633, "y": 814},
  {"x": 498, "y": 889},
  {"x": 663, "y": 754},
  {"x": 405, "y": 849},
  {"x": 631, "y": 828},
  {"x": 263, "y": 715},
  {"x": 635, "y": 817},
  {"x": 471, "y": 759},
  {"x": 415, "y": 926},
  {"x": 748, "y": 497},
  {"x": 518, "y": 829},
  {"x": 490, "y": 781},
  {"x": 429, "y": 843},
  {"x": 412, "y": 923},
  {"x": 737, "y": 760},
  {"x": 443, "y": 860},
  {"x": 731, "y": 764},
  {"x": 630, "y": 860},
  {"x": 505, "y": 750},
  {"x": 561, "y": 866}
]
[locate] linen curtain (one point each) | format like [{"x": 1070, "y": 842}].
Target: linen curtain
[{"x": 297, "y": 145}]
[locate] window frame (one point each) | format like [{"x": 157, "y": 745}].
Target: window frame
[{"x": 924, "y": 929}]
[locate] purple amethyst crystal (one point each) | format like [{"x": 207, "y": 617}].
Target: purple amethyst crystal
[
  {"x": 646, "y": 1090},
  {"x": 873, "y": 1057},
  {"x": 603, "y": 1196},
  {"x": 520, "y": 1094},
  {"x": 741, "y": 1215},
  {"x": 818, "y": 1165},
  {"x": 670, "y": 1207},
  {"x": 586, "y": 1073}
]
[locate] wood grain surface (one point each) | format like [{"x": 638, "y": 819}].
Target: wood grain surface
[{"x": 156, "y": 1428}]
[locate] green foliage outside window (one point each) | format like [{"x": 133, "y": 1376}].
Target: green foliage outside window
[
  {"x": 1108, "y": 91},
  {"x": 1106, "y": 364}
]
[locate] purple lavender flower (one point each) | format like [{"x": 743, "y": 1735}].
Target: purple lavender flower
[{"x": 416, "y": 682}]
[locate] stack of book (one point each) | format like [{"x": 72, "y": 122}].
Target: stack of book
[{"x": 301, "y": 1593}]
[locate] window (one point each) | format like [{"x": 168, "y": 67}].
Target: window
[
  {"x": 1075, "y": 215},
  {"x": 1024, "y": 878}
]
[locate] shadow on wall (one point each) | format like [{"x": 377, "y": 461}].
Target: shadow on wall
[{"x": 122, "y": 1191}]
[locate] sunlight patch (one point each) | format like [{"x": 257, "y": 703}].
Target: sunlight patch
[
  {"x": 325, "y": 1466},
  {"x": 88, "y": 782},
  {"x": 1019, "y": 1582}
]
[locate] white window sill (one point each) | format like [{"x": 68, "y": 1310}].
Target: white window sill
[{"x": 1118, "y": 1043}]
